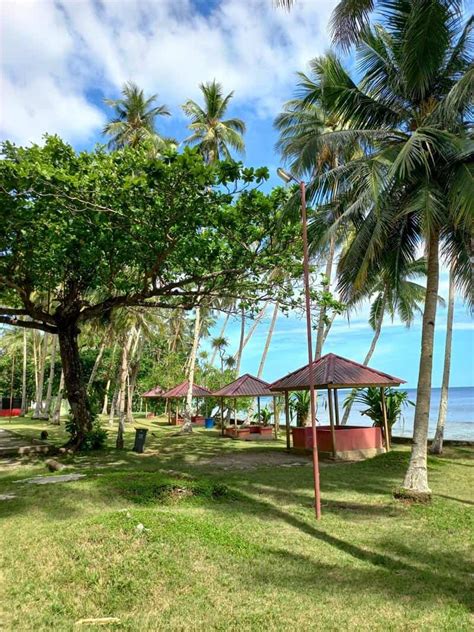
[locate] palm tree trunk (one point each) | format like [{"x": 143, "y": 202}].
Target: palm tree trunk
[
  {"x": 241, "y": 343},
  {"x": 322, "y": 314},
  {"x": 370, "y": 352},
  {"x": 24, "y": 406},
  {"x": 49, "y": 392},
  {"x": 221, "y": 335},
  {"x": 133, "y": 366},
  {"x": 187, "y": 426},
  {"x": 437, "y": 444},
  {"x": 107, "y": 386},
  {"x": 122, "y": 396},
  {"x": 252, "y": 329},
  {"x": 416, "y": 478},
  {"x": 41, "y": 356},
  {"x": 56, "y": 417},
  {"x": 268, "y": 340},
  {"x": 98, "y": 360}
]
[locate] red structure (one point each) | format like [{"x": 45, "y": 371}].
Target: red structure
[
  {"x": 180, "y": 392},
  {"x": 331, "y": 373},
  {"x": 10, "y": 412},
  {"x": 246, "y": 386}
]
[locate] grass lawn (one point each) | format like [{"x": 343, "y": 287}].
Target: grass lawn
[{"x": 230, "y": 541}]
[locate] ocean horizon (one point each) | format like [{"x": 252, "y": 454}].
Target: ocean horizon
[{"x": 459, "y": 419}]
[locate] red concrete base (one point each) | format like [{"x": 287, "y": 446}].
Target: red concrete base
[
  {"x": 177, "y": 422},
  {"x": 352, "y": 442},
  {"x": 258, "y": 433},
  {"x": 241, "y": 432},
  {"x": 198, "y": 420},
  {"x": 13, "y": 412}
]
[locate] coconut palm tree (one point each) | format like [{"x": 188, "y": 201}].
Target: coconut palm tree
[
  {"x": 392, "y": 291},
  {"x": 211, "y": 133},
  {"x": 437, "y": 443},
  {"x": 134, "y": 119},
  {"x": 410, "y": 110}
]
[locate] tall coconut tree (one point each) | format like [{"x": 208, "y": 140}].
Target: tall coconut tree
[
  {"x": 393, "y": 291},
  {"x": 437, "y": 443},
  {"x": 134, "y": 120},
  {"x": 214, "y": 135},
  {"x": 416, "y": 179}
]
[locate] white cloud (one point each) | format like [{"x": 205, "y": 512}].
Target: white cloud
[{"x": 52, "y": 53}]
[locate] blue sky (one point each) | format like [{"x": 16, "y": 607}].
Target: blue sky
[{"x": 60, "y": 59}]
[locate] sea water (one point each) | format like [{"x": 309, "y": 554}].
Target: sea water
[{"x": 459, "y": 420}]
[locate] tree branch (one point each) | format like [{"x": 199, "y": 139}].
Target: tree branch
[{"x": 27, "y": 324}]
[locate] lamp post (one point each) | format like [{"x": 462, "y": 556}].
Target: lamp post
[{"x": 288, "y": 177}]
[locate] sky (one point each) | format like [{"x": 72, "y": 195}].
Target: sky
[{"x": 59, "y": 60}]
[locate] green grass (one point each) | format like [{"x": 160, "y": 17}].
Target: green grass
[{"x": 233, "y": 547}]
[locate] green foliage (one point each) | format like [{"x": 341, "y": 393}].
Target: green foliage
[
  {"x": 94, "y": 439},
  {"x": 264, "y": 417},
  {"x": 300, "y": 405},
  {"x": 395, "y": 401},
  {"x": 103, "y": 230}
]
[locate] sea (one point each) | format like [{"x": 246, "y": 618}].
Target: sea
[{"x": 459, "y": 420}]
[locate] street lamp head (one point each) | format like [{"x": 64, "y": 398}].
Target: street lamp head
[{"x": 285, "y": 176}]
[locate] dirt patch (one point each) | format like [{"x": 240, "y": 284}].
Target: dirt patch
[{"x": 253, "y": 460}]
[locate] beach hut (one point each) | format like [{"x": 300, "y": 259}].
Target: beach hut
[
  {"x": 331, "y": 373},
  {"x": 154, "y": 393},
  {"x": 246, "y": 386},
  {"x": 179, "y": 393}
]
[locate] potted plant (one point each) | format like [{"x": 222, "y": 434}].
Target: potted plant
[
  {"x": 299, "y": 406},
  {"x": 264, "y": 418}
]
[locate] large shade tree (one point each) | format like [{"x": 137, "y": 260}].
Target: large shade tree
[
  {"x": 95, "y": 231},
  {"x": 411, "y": 111},
  {"x": 214, "y": 135}
]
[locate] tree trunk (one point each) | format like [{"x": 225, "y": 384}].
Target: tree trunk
[
  {"x": 437, "y": 444},
  {"x": 268, "y": 341},
  {"x": 113, "y": 403},
  {"x": 24, "y": 406},
  {"x": 41, "y": 355},
  {"x": 251, "y": 330},
  {"x": 107, "y": 386},
  {"x": 133, "y": 366},
  {"x": 322, "y": 314},
  {"x": 56, "y": 416},
  {"x": 187, "y": 425},
  {"x": 119, "y": 444},
  {"x": 98, "y": 360},
  {"x": 241, "y": 343},
  {"x": 370, "y": 352},
  {"x": 416, "y": 478},
  {"x": 221, "y": 335},
  {"x": 73, "y": 381},
  {"x": 49, "y": 392}
]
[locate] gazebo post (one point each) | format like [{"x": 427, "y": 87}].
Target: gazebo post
[
  {"x": 235, "y": 415},
  {"x": 331, "y": 421},
  {"x": 258, "y": 408},
  {"x": 276, "y": 417},
  {"x": 176, "y": 415},
  {"x": 287, "y": 417},
  {"x": 336, "y": 406},
  {"x": 385, "y": 420},
  {"x": 222, "y": 416}
]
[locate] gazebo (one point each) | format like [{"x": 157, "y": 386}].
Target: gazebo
[
  {"x": 180, "y": 392},
  {"x": 246, "y": 386},
  {"x": 154, "y": 393},
  {"x": 333, "y": 372}
]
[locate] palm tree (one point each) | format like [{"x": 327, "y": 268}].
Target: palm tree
[
  {"x": 213, "y": 135},
  {"x": 415, "y": 182},
  {"x": 134, "y": 119},
  {"x": 392, "y": 290},
  {"x": 302, "y": 126},
  {"x": 437, "y": 443}
]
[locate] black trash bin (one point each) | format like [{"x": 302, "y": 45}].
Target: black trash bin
[{"x": 140, "y": 438}]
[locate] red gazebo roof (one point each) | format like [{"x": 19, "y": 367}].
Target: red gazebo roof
[
  {"x": 333, "y": 371},
  {"x": 155, "y": 392},
  {"x": 182, "y": 390},
  {"x": 245, "y": 386}
]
